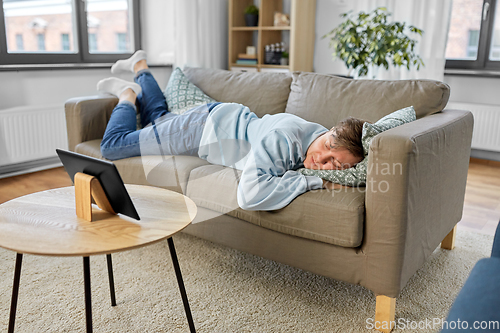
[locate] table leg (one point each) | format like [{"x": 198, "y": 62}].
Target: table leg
[
  {"x": 88, "y": 301},
  {"x": 181, "y": 284},
  {"x": 15, "y": 292},
  {"x": 111, "y": 280}
]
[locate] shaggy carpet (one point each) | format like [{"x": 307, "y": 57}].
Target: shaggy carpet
[{"x": 228, "y": 291}]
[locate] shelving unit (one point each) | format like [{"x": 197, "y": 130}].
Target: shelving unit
[{"x": 300, "y": 33}]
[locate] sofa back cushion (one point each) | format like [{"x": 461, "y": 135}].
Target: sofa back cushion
[
  {"x": 327, "y": 99},
  {"x": 263, "y": 93}
]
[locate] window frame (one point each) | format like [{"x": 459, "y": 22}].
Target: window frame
[
  {"x": 482, "y": 61},
  {"x": 83, "y": 56}
]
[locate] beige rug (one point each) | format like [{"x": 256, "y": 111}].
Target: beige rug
[{"x": 228, "y": 291}]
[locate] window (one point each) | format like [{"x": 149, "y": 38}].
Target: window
[
  {"x": 121, "y": 42},
  {"x": 19, "y": 42},
  {"x": 495, "y": 45},
  {"x": 67, "y": 31},
  {"x": 472, "y": 44},
  {"x": 474, "y": 35},
  {"x": 65, "y": 46},
  {"x": 92, "y": 42},
  {"x": 41, "y": 42}
]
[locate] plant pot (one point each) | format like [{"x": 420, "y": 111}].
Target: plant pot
[
  {"x": 343, "y": 76},
  {"x": 251, "y": 20}
]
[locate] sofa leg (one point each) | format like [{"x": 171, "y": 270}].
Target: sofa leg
[
  {"x": 385, "y": 312},
  {"x": 448, "y": 242}
]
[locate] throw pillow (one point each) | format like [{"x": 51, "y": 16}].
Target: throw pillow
[
  {"x": 182, "y": 95},
  {"x": 392, "y": 120},
  {"x": 356, "y": 176}
]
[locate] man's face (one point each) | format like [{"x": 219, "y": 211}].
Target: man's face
[{"x": 321, "y": 156}]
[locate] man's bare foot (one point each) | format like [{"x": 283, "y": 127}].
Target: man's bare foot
[{"x": 140, "y": 65}]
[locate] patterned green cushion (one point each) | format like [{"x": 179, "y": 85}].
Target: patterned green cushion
[
  {"x": 356, "y": 176},
  {"x": 182, "y": 95},
  {"x": 392, "y": 120}
]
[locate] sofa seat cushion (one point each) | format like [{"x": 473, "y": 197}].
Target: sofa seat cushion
[
  {"x": 327, "y": 99},
  {"x": 330, "y": 217},
  {"x": 149, "y": 170}
]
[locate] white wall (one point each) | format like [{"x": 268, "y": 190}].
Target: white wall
[
  {"x": 157, "y": 30},
  {"x": 473, "y": 89},
  {"x": 477, "y": 90},
  {"x": 327, "y": 18},
  {"x": 56, "y": 86}
]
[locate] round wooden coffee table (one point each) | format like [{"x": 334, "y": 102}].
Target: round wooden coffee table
[{"x": 45, "y": 223}]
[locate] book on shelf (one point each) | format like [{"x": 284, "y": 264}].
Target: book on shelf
[
  {"x": 247, "y": 56},
  {"x": 246, "y": 61}
]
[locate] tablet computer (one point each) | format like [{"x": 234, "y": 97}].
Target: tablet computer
[{"x": 107, "y": 174}]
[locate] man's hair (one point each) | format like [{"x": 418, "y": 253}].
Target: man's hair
[{"x": 347, "y": 134}]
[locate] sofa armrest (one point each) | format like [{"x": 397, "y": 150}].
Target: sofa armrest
[
  {"x": 415, "y": 192},
  {"x": 87, "y": 117}
]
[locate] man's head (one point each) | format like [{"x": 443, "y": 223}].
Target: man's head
[{"x": 339, "y": 148}]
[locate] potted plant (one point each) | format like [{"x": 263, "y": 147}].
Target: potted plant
[
  {"x": 284, "y": 58},
  {"x": 368, "y": 40},
  {"x": 252, "y": 16}
]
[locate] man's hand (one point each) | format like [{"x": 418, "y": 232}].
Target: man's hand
[{"x": 332, "y": 186}]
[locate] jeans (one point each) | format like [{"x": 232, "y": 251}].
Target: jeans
[{"x": 166, "y": 134}]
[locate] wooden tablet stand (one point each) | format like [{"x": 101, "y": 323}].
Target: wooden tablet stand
[{"x": 87, "y": 188}]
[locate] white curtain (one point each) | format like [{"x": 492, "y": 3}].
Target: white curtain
[
  {"x": 201, "y": 33},
  {"x": 433, "y": 17}
]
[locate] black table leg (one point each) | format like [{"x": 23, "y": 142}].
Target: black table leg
[
  {"x": 88, "y": 301},
  {"x": 181, "y": 284},
  {"x": 15, "y": 292},
  {"x": 111, "y": 280}
]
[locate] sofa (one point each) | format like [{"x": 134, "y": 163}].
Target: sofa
[{"x": 375, "y": 236}]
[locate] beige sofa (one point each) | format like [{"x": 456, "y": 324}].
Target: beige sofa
[{"x": 377, "y": 236}]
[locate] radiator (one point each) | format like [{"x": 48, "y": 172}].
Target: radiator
[
  {"x": 30, "y": 133},
  {"x": 486, "y": 134}
]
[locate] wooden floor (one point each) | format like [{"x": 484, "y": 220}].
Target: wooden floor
[
  {"x": 481, "y": 207},
  {"x": 482, "y": 197},
  {"x": 17, "y": 186}
]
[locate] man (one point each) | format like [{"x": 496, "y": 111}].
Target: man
[{"x": 268, "y": 150}]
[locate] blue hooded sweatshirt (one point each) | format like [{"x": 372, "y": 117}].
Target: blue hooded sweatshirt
[{"x": 268, "y": 150}]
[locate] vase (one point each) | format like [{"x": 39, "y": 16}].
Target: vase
[{"x": 251, "y": 20}]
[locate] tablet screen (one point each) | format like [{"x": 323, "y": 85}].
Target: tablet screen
[{"x": 107, "y": 174}]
